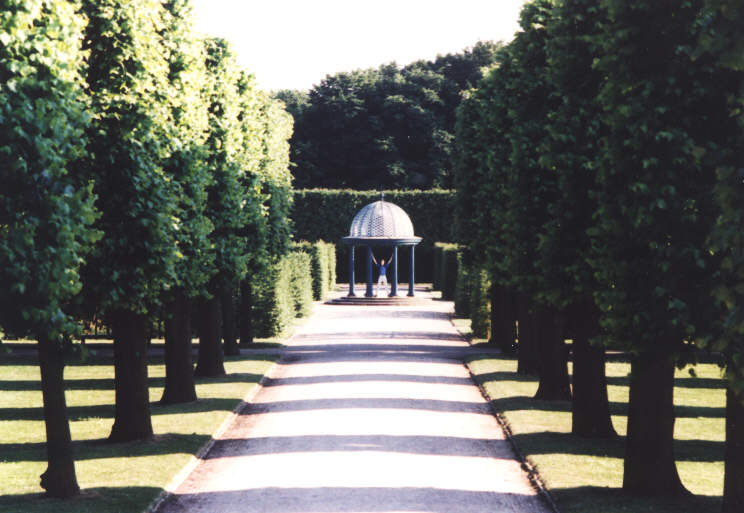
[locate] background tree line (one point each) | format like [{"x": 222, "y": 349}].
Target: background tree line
[
  {"x": 144, "y": 174},
  {"x": 599, "y": 183},
  {"x": 391, "y": 127}
]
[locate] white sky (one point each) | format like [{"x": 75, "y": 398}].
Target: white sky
[{"x": 294, "y": 44}]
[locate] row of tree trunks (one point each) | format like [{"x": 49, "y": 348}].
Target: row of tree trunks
[
  {"x": 527, "y": 363},
  {"x": 503, "y": 325},
  {"x": 649, "y": 456},
  {"x": 552, "y": 357},
  {"x": 590, "y": 409},
  {"x": 216, "y": 320},
  {"x": 246, "y": 306},
  {"x": 733, "y": 481},
  {"x": 229, "y": 331},
  {"x": 542, "y": 352},
  {"x": 132, "y": 409},
  {"x": 59, "y": 479},
  {"x": 211, "y": 358},
  {"x": 179, "y": 366}
]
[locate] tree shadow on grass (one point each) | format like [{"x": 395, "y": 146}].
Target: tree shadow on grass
[
  {"x": 615, "y": 500},
  {"x": 99, "y": 448},
  {"x": 551, "y": 442},
  {"x": 103, "y": 411},
  {"x": 108, "y": 383},
  {"x": 91, "y": 500},
  {"x": 707, "y": 383},
  {"x": 523, "y": 402}
]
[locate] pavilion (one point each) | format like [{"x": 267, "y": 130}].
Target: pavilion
[{"x": 381, "y": 224}]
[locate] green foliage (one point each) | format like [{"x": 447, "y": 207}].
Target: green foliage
[
  {"x": 322, "y": 266},
  {"x": 480, "y": 304},
  {"x": 127, "y": 83},
  {"x": 570, "y": 151},
  {"x": 446, "y": 258},
  {"x": 277, "y": 179},
  {"x": 282, "y": 292},
  {"x": 274, "y": 307},
  {"x": 722, "y": 40},
  {"x": 482, "y": 156},
  {"x": 528, "y": 187},
  {"x": 300, "y": 282},
  {"x": 388, "y": 127},
  {"x": 670, "y": 128},
  {"x": 462, "y": 287},
  {"x": 226, "y": 195},
  {"x": 185, "y": 164},
  {"x": 330, "y": 249},
  {"x": 46, "y": 210}
]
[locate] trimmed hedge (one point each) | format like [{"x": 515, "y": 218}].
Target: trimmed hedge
[
  {"x": 465, "y": 283},
  {"x": 331, "y": 262},
  {"x": 480, "y": 302},
  {"x": 462, "y": 288},
  {"x": 273, "y": 307},
  {"x": 445, "y": 265},
  {"x": 322, "y": 266},
  {"x": 282, "y": 292},
  {"x": 326, "y": 214},
  {"x": 300, "y": 281}
]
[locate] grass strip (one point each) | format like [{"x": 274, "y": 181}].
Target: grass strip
[
  {"x": 585, "y": 475},
  {"x": 122, "y": 477}
]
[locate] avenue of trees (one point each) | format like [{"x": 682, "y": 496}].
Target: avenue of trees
[
  {"x": 389, "y": 127},
  {"x": 144, "y": 175},
  {"x": 599, "y": 182}
]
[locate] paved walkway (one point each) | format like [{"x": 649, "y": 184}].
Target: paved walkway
[{"x": 369, "y": 410}]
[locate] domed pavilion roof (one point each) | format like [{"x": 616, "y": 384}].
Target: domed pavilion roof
[{"x": 382, "y": 222}]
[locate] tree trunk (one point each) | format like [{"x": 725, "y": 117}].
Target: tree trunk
[
  {"x": 246, "y": 312},
  {"x": 649, "y": 456},
  {"x": 526, "y": 347},
  {"x": 590, "y": 410},
  {"x": 179, "y": 365},
  {"x": 503, "y": 328},
  {"x": 132, "y": 412},
  {"x": 733, "y": 477},
  {"x": 228, "y": 321},
  {"x": 211, "y": 361},
  {"x": 552, "y": 357},
  {"x": 59, "y": 479}
]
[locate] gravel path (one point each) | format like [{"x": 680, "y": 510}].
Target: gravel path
[{"x": 370, "y": 409}]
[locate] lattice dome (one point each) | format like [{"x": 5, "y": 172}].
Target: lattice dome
[{"x": 381, "y": 219}]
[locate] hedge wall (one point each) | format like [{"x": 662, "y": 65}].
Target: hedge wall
[
  {"x": 326, "y": 214},
  {"x": 301, "y": 282},
  {"x": 445, "y": 269},
  {"x": 282, "y": 292},
  {"x": 322, "y": 266}
]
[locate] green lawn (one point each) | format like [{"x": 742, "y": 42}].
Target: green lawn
[
  {"x": 585, "y": 476},
  {"x": 114, "y": 477}
]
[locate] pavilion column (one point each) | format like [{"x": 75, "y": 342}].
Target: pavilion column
[
  {"x": 413, "y": 268},
  {"x": 351, "y": 270},
  {"x": 370, "y": 291},
  {"x": 394, "y": 283}
]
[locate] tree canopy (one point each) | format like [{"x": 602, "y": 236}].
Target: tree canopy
[{"x": 390, "y": 127}]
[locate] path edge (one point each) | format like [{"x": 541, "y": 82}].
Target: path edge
[
  {"x": 187, "y": 469},
  {"x": 533, "y": 474}
]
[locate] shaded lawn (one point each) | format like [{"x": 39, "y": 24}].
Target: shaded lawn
[
  {"x": 114, "y": 477},
  {"x": 585, "y": 475}
]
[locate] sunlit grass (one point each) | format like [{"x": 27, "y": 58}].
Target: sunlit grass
[
  {"x": 114, "y": 477},
  {"x": 585, "y": 476}
]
